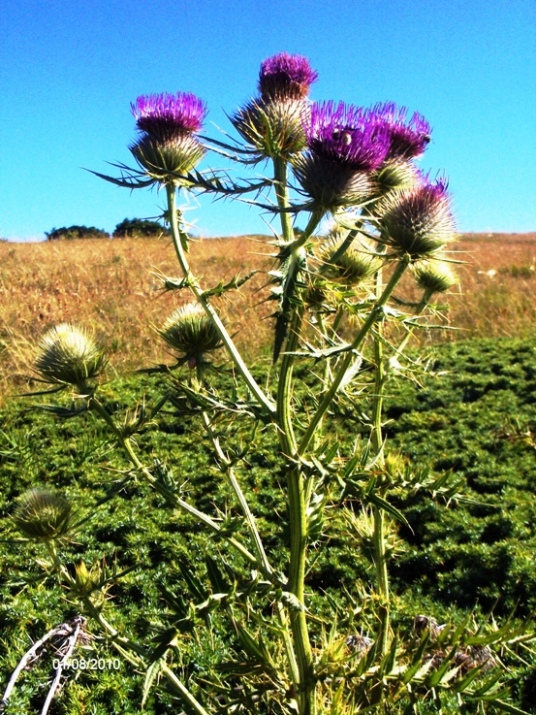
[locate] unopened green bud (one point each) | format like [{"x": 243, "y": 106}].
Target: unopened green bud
[
  {"x": 315, "y": 293},
  {"x": 394, "y": 176},
  {"x": 273, "y": 127},
  {"x": 190, "y": 331},
  {"x": 434, "y": 276},
  {"x": 42, "y": 514},
  {"x": 69, "y": 355},
  {"x": 169, "y": 159},
  {"x": 357, "y": 263},
  {"x": 87, "y": 580}
]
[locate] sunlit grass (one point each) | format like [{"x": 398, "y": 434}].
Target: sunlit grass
[{"x": 114, "y": 288}]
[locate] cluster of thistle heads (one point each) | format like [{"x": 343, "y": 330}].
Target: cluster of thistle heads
[
  {"x": 345, "y": 159},
  {"x": 343, "y": 156}
]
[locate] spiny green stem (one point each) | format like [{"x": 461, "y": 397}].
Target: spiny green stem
[
  {"x": 346, "y": 361},
  {"x": 382, "y": 578},
  {"x": 259, "y": 547},
  {"x": 304, "y": 665},
  {"x": 170, "y": 497},
  {"x": 282, "y": 196},
  {"x": 284, "y": 386},
  {"x": 178, "y": 239},
  {"x": 380, "y": 555},
  {"x": 295, "y": 480},
  {"x": 235, "y": 485}
]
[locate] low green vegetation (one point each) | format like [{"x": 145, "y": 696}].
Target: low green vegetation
[{"x": 473, "y": 560}]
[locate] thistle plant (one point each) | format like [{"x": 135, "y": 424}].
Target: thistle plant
[{"x": 339, "y": 326}]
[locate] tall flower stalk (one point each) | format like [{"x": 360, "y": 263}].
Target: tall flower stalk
[{"x": 354, "y": 167}]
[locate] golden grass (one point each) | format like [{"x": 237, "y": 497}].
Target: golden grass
[
  {"x": 497, "y": 294},
  {"x": 113, "y": 286}
]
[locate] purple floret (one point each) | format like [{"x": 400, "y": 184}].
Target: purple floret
[
  {"x": 347, "y": 135},
  {"x": 409, "y": 138},
  {"x": 286, "y": 76},
  {"x": 165, "y": 116},
  {"x": 433, "y": 193}
]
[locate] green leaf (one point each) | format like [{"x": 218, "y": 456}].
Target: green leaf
[
  {"x": 507, "y": 708},
  {"x": 233, "y": 284},
  {"x": 382, "y": 503},
  {"x": 218, "y": 582},
  {"x": 255, "y": 647},
  {"x": 151, "y": 675},
  {"x": 194, "y": 584}
]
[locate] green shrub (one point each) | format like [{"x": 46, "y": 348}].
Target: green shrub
[
  {"x": 68, "y": 234},
  {"x": 139, "y": 228}
]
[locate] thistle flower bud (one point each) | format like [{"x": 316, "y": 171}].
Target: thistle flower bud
[
  {"x": 69, "y": 355},
  {"x": 272, "y": 123},
  {"x": 190, "y": 331},
  {"x": 167, "y": 159},
  {"x": 42, "y": 514},
  {"x": 355, "y": 265},
  {"x": 418, "y": 222},
  {"x": 394, "y": 176},
  {"x": 285, "y": 76},
  {"x": 434, "y": 276},
  {"x": 86, "y": 581},
  {"x": 329, "y": 184},
  {"x": 168, "y": 148},
  {"x": 316, "y": 292},
  {"x": 347, "y": 135},
  {"x": 274, "y": 128}
]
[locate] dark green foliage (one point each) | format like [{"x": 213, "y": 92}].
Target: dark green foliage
[
  {"x": 72, "y": 232},
  {"x": 478, "y": 421},
  {"x": 139, "y": 228}
]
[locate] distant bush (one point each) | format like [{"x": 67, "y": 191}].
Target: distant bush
[
  {"x": 67, "y": 234},
  {"x": 137, "y": 227}
]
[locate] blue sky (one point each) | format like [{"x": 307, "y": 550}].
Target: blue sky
[{"x": 70, "y": 68}]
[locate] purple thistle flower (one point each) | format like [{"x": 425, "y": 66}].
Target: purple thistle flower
[
  {"x": 409, "y": 138},
  {"x": 286, "y": 76},
  {"x": 168, "y": 116},
  {"x": 347, "y": 135}
]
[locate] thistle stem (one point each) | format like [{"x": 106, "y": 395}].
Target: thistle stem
[
  {"x": 282, "y": 196},
  {"x": 297, "y": 502},
  {"x": 379, "y": 545},
  {"x": 168, "y": 495},
  {"x": 179, "y": 238},
  {"x": 374, "y": 315},
  {"x": 237, "y": 489}
]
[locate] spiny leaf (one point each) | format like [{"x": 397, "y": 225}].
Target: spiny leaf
[
  {"x": 130, "y": 178},
  {"x": 153, "y": 671},
  {"x": 389, "y": 508},
  {"x": 218, "y": 582},
  {"x": 63, "y": 412},
  {"x": 233, "y": 284},
  {"x": 255, "y": 647},
  {"x": 194, "y": 585}
]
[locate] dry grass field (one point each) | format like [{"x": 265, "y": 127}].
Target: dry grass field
[{"x": 114, "y": 287}]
